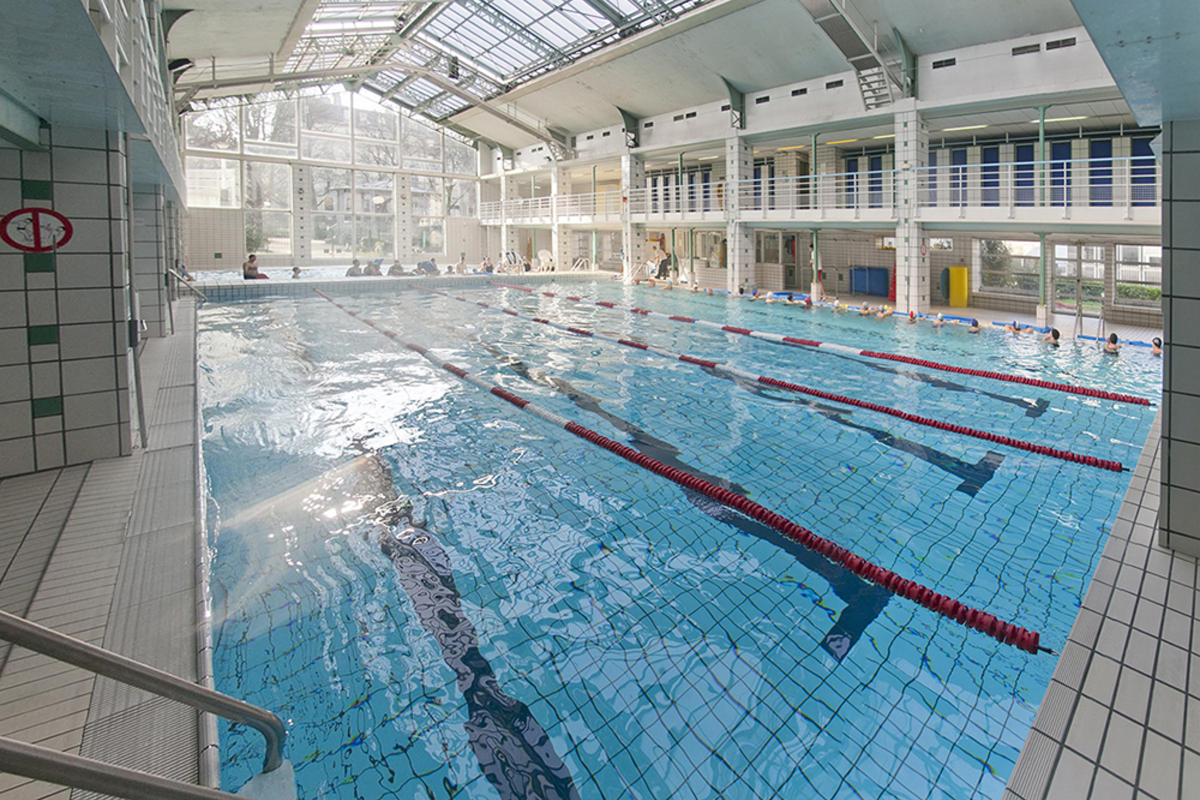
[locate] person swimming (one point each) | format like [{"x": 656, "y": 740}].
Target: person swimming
[
  {"x": 912, "y": 318},
  {"x": 1052, "y": 337},
  {"x": 1156, "y": 346},
  {"x": 865, "y": 310},
  {"x": 1113, "y": 345},
  {"x": 884, "y": 311},
  {"x": 974, "y": 326},
  {"x": 939, "y": 320}
]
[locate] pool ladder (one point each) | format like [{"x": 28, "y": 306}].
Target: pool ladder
[{"x": 45, "y": 764}]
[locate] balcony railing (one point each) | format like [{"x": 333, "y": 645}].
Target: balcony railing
[
  {"x": 706, "y": 200},
  {"x": 856, "y": 191},
  {"x": 966, "y": 191},
  {"x": 1124, "y": 183}
]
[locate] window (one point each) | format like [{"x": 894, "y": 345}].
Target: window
[
  {"x": 216, "y": 129},
  {"x": 332, "y": 235},
  {"x": 375, "y": 236},
  {"x": 648, "y": 125},
  {"x": 1058, "y": 44},
  {"x": 269, "y": 128},
  {"x": 1009, "y": 267},
  {"x": 269, "y": 232},
  {"x": 421, "y": 147},
  {"x": 1139, "y": 275},
  {"x": 374, "y": 192},
  {"x": 944, "y": 62},
  {"x": 943, "y": 245},
  {"x": 331, "y": 189},
  {"x": 326, "y": 113},
  {"x": 374, "y": 121},
  {"x": 427, "y": 199},
  {"x": 268, "y": 185},
  {"x": 799, "y": 92},
  {"x": 460, "y": 197},
  {"x": 885, "y": 242},
  {"x": 1026, "y": 49},
  {"x": 834, "y": 84},
  {"x": 213, "y": 182},
  {"x": 766, "y": 98},
  {"x": 429, "y": 235},
  {"x": 690, "y": 115},
  {"x": 460, "y": 157},
  {"x": 376, "y": 155},
  {"x": 325, "y": 148}
]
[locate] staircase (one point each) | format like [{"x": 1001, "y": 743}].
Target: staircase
[{"x": 875, "y": 87}]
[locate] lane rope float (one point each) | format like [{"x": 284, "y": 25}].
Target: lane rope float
[
  {"x": 792, "y": 341},
  {"x": 1000, "y": 630},
  {"x": 995, "y": 438}
]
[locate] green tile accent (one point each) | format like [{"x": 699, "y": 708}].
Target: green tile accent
[
  {"x": 43, "y": 334},
  {"x": 47, "y": 407},
  {"x": 39, "y": 262},
  {"x": 37, "y": 190}
]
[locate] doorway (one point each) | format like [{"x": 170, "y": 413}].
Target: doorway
[{"x": 1078, "y": 279}]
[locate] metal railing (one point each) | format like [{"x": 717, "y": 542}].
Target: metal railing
[
  {"x": 706, "y": 200},
  {"x": 65, "y": 769},
  {"x": 855, "y": 191},
  {"x": 1070, "y": 183},
  {"x": 181, "y": 281},
  {"x": 68, "y": 649},
  {"x": 598, "y": 204}
]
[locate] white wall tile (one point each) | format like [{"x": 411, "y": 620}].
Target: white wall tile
[
  {"x": 86, "y": 341},
  {"x": 91, "y": 236},
  {"x": 39, "y": 280},
  {"x": 46, "y": 380},
  {"x": 43, "y": 310},
  {"x": 82, "y": 201},
  {"x": 93, "y": 443},
  {"x": 89, "y": 375},
  {"x": 10, "y": 163},
  {"x": 49, "y": 450},
  {"x": 35, "y": 166},
  {"x": 89, "y": 410},
  {"x": 16, "y": 420},
  {"x": 84, "y": 305},
  {"x": 12, "y": 310},
  {"x": 79, "y": 166},
  {"x": 10, "y": 195},
  {"x": 16, "y": 456},
  {"x": 84, "y": 270},
  {"x": 12, "y": 271},
  {"x": 14, "y": 346},
  {"x": 14, "y": 383},
  {"x": 44, "y": 425},
  {"x": 43, "y": 352}
]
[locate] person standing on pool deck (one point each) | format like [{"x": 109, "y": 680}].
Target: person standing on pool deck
[
  {"x": 1113, "y": 345},
  {"x": 250, "y": 269}
]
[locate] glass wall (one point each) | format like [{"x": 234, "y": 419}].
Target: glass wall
[{"x": 243, "y": 156}]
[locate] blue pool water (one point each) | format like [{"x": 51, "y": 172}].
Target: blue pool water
[{"x": 548, "y": 615}]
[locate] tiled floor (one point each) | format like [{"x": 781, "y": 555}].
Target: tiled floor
[
  {"x": 1121, "y": 718},
  {"x": 106, "y": 553}
]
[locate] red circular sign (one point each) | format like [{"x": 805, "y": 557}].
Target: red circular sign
[{"x": 35, "y": 230}]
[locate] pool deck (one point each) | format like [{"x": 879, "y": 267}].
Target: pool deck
[{"x": 106, "y": 552}]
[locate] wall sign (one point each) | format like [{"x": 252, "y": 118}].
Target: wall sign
[{"x": 35, "y": 230}]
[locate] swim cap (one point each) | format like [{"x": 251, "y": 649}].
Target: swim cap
[
  {"x": 974, "y": 323},
  {"x": 939, "y": 316}
]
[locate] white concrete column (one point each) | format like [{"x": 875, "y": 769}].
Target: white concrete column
[
  {"x": 302, "y": 213},
  {"x": 633, "y": 237},
  {"x": 509, "y": 190},
  {"x": 912, "y": 246},
  {"x": 404, "y": 220},
  {"x": 739, "y": 238}
]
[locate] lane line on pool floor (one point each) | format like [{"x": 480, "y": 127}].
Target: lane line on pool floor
[
  {"x": 987, "y": 436},
  {"x": 1000, "y": 630},
  {"x": 791, "y": 341}
]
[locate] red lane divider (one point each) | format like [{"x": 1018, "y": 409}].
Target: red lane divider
[
  {"x": 1007, "y": 441},
  {"x": 919, "y": 362},
  {"x": 998, "y": 629}
]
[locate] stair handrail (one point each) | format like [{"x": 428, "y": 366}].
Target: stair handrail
[
  {"x": 61, "y": 647},
  {"x": 67, "y": 769},
  {"x": 187, "y": 285}
]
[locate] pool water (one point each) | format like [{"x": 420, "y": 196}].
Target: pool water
[{"x": 444, "y": 597}]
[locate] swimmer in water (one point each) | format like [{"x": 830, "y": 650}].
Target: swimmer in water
[
  {"x": 1052, "y": 337},
  {"x": 1113, "y": 345},
  {"x": 939, "y": 320},
  {"x": 1156, "y": 346},
  {"x": 974, "y": 326}
]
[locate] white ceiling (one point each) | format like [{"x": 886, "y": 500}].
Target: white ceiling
[{"x": 234, "y": 28}]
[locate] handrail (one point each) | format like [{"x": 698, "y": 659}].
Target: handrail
[
  {"x": 66, "y": 769},
  {"x": 59, "y": 646},
  {"x": 183, "y": 281}
]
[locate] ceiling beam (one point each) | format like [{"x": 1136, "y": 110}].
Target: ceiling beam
[{"x": 608, "y": 12}]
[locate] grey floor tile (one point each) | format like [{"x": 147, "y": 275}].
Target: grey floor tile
[
  {"x": 1087, "y": 728},
  {"x": 1122, "y": 748},
  {"x": 1167, "y": 705},
  {"x": 1101, "y": 681},
  {"x": 1133, "y": 695},
  {"x": 1110, "y": 787},
  {"x": 1160, "y": 767},
  {"x": 1072, "y": 777}
]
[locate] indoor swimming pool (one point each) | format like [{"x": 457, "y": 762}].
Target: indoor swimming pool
[{"x": 443, "y": 596}]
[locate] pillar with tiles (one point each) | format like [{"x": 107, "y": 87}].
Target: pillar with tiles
[
  {"x": 633, "y": 237},
  {"x": 739, "y": 238},
  {"x": 912, "y": 246}
]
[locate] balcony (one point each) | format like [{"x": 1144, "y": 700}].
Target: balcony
[
  {"x": 1120, "y": 195},
  {"x": 1121, "y": 192}
]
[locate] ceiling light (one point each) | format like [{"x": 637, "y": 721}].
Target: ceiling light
[
  {"x": 843, "y": 141},
  {"x": 1060, "y": 119},
  {"x": 793, "y": 147},
  {"x": 885, "y": 136},
  {"x": 708, "y": 158},
  {"x": 964, "y": 128}
]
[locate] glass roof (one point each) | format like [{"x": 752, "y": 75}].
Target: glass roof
[{"x": 440, "y": 58}]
